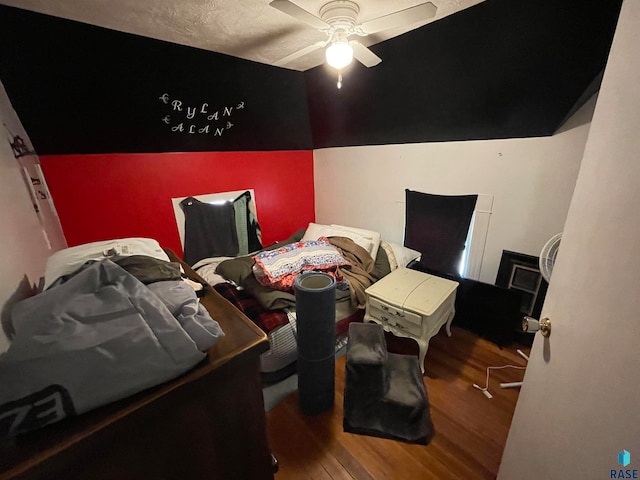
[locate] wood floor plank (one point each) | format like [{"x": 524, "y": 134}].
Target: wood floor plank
[{"x": 471, "y": 430}]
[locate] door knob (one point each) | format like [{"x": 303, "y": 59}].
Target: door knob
[{"x": 532, "y": 325}]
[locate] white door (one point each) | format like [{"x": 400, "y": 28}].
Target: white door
[{"x": 580, "y": 402}]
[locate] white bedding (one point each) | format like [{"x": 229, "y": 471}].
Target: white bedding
[
  {"x": 206, "y": 268},
  {"x": 68, "y": 260},
  {"x": 367, "y": 239}
]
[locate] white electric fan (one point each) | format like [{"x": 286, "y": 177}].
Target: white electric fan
[
  {"x": 546, "y": 261},
  {"x": 548, "y": 256}
]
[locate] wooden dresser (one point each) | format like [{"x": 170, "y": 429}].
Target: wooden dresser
[{"x": 207, "y": 424}]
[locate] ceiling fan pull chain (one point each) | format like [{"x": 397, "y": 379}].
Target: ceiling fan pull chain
[{"x": 339, "y": 79}]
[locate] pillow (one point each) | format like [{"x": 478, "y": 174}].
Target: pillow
[
  {"x": 316, "y": 230},
  {"x": 382, "y": 265},
  {"x": 277, "y": 268},
  {"x": 367, "y": 239},
  {"x": 404, "y": 255},
  {"x": 68, "y": 260},
  {"x": 398, "y": 255},
  {"x": 391, "y": 257},
  {"x": 370, "y": 235}
]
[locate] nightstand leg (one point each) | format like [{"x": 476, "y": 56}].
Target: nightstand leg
[
  {"x": 422, "y": 352},
  {"x": 447, "y": 326}
]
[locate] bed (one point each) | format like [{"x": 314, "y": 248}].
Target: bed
[{"x": 271, "y": 305}]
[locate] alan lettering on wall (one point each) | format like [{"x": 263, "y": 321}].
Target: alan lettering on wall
[{"x": 199, "y": 119}]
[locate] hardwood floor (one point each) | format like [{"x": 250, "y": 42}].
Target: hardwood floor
[{"x": 471, "y": 430}]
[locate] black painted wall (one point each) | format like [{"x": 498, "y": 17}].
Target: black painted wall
[
  {"x": 500, "y": 69},
  {"x": 84, "y": 89}
]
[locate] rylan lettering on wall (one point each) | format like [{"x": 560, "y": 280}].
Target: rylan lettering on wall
[{"x": 200, "y": 119}]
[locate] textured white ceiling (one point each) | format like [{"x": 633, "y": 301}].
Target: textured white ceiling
[{"x": 248, "y": 29}]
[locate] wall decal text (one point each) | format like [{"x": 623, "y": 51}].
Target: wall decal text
[{"x": 199, "y": 119}]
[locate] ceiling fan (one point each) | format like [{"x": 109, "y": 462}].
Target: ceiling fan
[{"x": 339, "y": 20}]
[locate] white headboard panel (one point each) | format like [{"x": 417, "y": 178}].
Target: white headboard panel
[{"x": 209, "y": 198}]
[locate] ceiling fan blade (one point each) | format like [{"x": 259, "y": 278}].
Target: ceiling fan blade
[
  {"x": 290, "y": 8},
  {"x": 299, "y": 53},
  {"x": 364, "y": 55},
  {"x": 402, "y": 18}
]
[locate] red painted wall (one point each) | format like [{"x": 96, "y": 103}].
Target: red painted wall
[{"x": 106, "y": 196}]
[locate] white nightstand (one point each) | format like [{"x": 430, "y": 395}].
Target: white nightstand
[{"x": 412, "y": 304}]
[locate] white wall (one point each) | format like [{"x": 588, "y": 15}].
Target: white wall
[
  {"x": 23, "y": 246},
  {"x": 531, "y": 179}
]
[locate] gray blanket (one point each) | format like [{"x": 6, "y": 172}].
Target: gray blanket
[{"x": 99, "y": 337}]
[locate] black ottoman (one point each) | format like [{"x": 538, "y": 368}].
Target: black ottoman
[{"x": 384, "y": 395}]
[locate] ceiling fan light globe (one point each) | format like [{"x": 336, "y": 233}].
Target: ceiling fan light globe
[{"x": 339, "y": 55}]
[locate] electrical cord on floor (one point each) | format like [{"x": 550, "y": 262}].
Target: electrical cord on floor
[{"x": 485, "y": 390}]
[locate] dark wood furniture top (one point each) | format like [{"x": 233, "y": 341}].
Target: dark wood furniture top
[{"x": 207, "y": 423}]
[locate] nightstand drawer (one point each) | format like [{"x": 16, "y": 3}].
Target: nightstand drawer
[
  {"x": 396, "y": 322},
  {"x": 396, "y": 312}
]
